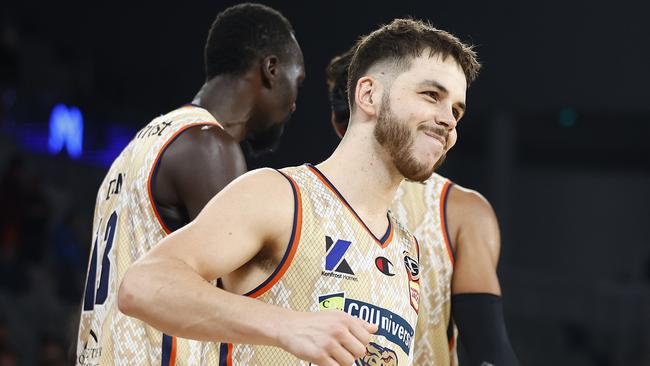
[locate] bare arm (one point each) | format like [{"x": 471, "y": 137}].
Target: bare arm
[
  {"x": 168, "y": 287},
  {"x": 194, "y": 168},
  {"x": 476, "y": 294},
  {"x": 474, "y": 232}
]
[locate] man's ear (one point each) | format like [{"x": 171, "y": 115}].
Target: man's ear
[
  {"x": 367, "y": 95},
  {"x": 269, "y": 70}
]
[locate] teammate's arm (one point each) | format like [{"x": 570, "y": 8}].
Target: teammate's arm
[
  {"x": 169, "y": 289},
  {"x": 194, "y": 168},
  {"x": 476, "y": 294}
]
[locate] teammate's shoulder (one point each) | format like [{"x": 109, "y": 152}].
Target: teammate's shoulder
[
  {"x": 266, "y": 181},
  {"x": 469, "y": 201}
]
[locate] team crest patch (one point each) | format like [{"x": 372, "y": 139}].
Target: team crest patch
[
  {"x": 413, "y": 270},
  {"x": 335, "y": 263},
  {"x": 377, "y": 355}
]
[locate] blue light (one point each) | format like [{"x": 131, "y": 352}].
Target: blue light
[{"x": 66, "y": 129}]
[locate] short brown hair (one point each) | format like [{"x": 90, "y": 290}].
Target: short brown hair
[{"x": 403, "y": 40}]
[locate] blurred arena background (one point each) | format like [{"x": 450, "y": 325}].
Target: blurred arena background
[{"x": 556, "y": 137}]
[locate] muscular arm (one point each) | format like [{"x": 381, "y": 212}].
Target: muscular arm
[
  {"x": 169, "y": 289},
  {"x": 198, "y": 164},
  {"x": 476, "y": 294},
  {"x": 474, "y": 233}
]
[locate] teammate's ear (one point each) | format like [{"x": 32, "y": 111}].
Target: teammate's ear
[
  {"x": 269, "y": 70},
  {"x": 365, "y": 95}
]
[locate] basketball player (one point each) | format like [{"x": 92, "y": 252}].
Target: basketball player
[
  {"x": 176, "y": 164},
  {"x": 459, "y": 243},
  {"x": 310, "y": 238}
]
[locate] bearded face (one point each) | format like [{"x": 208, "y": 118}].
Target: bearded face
[{"x": 394, "y": 135}]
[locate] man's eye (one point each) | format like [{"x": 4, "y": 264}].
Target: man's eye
[{"x": 431, "y": 94}]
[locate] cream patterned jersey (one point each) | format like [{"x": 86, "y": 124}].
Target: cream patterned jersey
[
  {"x": 126, "y": 225},
  {"x": 334, "y": 263},
  {"x": 421, "y": 208}
]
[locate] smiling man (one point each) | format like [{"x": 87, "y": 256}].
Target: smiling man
[
  {"x": 459, "y": 240},
  {"x": 304, "y": 252}
]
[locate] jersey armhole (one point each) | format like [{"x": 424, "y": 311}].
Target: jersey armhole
[
  {"x": 292, "y": 246},
  {"x": 444, "y": 196},
  {"x": 154, "y": 169}
]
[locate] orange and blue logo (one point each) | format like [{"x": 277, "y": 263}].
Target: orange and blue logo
[{"x": 377, "y": 355}]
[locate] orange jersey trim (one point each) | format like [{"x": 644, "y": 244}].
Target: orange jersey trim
[
  {"x": 291, "y": 248},
  {"x": 172, "y": 357},
  {"x": 443, "y": 221},
  {"x": 452, "y": 343},
  {"x": 171, "y": 139}
]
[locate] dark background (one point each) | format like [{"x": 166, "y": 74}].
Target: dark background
[{"x": 555, "y": 137}]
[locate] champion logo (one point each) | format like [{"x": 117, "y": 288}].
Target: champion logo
[{"x": 384, "y": 266}]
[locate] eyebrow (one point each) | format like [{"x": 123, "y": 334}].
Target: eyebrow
[{"x": 437, "y": 85}]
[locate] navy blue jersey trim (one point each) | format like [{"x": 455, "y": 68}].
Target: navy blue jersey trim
[
  {"x": 166, "y": 350},
  {"x": 292, "y": 239},
  {"x": 446, "y": 229},
  {"x": 340, "y": 196},
  {"x": 223, "y": 354}
]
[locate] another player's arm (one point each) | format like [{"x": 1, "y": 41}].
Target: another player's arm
[
  {"x": 476, "y": 294},
  {"x": 169, "y": 289},
  {"x": 196, "y": 166}
]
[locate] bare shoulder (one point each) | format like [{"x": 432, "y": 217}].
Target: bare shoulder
[
  {"x": 260, "y": 188},
  {"x": 207, "y": 142},
  {"x": 471, "y": 222},
  {"x": 468, "y": 205}
]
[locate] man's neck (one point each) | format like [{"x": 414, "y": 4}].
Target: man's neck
[
  {"x": 364, "y": 174},
  {"x": 230, "y": 101}
]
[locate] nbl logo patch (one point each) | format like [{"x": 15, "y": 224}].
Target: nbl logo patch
[
  {"x": 413, "y": 269},
  {"x": 335, "y": 263}
]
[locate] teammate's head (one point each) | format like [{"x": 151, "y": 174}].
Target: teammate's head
[
  {"x": 410, "y": 79},
  {"x": 256, "y": 41},
  {"x": 337, "y": 87}
]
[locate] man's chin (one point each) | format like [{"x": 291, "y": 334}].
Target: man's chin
[{"x": 266, "y": 141}]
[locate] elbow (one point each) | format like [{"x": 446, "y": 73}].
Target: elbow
[{"x": 128, "y": 296}]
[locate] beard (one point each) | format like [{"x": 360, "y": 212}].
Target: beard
[
  {"x": 265, "y": 141},
  {"x": 398, "y": 140}
]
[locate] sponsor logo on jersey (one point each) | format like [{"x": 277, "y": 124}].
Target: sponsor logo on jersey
[
  {"x": 115, "y": 185},
  {"x": 153, "y": 129},
  {"x": 90, "y": 356},
  {"x": 335, "y": 263},
  {"x": 377, "y": 355},
  {"x": 384, "y": 266},
  {"x": 391, "y": 326},
  {"x": 413, "y": 270}
]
